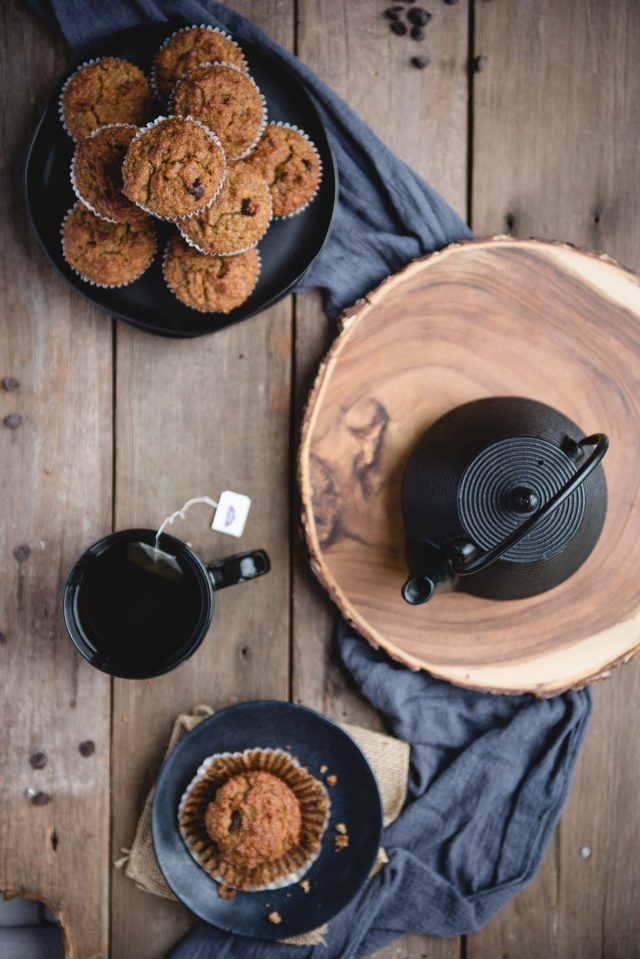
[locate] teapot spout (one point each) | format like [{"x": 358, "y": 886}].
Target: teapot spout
[
  {"x": 418, "y": 590},
  {"x": 430, "y": 570}
]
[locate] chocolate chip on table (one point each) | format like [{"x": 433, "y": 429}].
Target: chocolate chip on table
[
  {"x": 418, "y": 15},
  {"x": 41, "y": 799},
  {"x": 450, "y": 3},
  {"x": 22, "y": 552},
  {"x": 398, "y": 28},
  {"x": 418, "y": 33},
  {"x": 39, "y": 760},
  {"x": 420, "y": 62},
  {"x": 3, "y": 639},
  {"x": 479, "y": 63},
  {"x": 10, "y": 384},
  {"x": 196, "y": 189},
  {"x": 393, "y": 13},
  {"x": 13, "y": 421},
  {"x": 87, "y": 748}
]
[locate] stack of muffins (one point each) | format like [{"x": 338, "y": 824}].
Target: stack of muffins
[{"x": 213, "y": 166}]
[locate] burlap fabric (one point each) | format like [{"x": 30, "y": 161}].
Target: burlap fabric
[{"x": 389, "y": 760}]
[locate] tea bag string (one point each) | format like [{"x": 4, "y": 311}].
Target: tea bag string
[{"x": 181, "y": 513}]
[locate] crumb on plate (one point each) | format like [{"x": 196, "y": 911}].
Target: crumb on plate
[
  {"x": 227, "y": 892},
  {"x": 274, "y": 917}
]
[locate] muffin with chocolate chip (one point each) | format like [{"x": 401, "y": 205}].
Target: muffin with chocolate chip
[
  {"x": 227, "y": 101},
  {"x": 108, "y": 90},
  {"x": 96, "y": 173},
  {"x": 173, "y": 168},
  {"x": 254, "y": 817},
  {"x": 237, "y": 220},
  {"x": 210, "y": 284},
  {"x": 254, "y": 820},
  {"x": 189, "y": 47},
  {"x": 106, "y": 254},
  {"x": 290, "y": 164}
]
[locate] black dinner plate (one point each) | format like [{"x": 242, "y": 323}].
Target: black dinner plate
[
  {"x": 355, "y": 801},
  {"x": 288, "y": 249}
]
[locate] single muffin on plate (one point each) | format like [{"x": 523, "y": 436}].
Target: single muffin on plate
[
  {"x": 106, "y": 254},
  {"x": 102, "y": 91},
  {"x": 290, "y": 164},
  {"x": 173, "y": 168},
  {"x": 237, "y": 220},
  {"x": 227, "y": 100},
  {"x": 210, "y": 284},
  {"x": 96, "y": 173},
  {"x": 254, "y": 820},
  {"x": 187, "y": 48}
]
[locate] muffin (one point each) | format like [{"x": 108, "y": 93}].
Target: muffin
[
  {"x": 239, "y": 217},
  {"x": 106, "y": 254},
  {"x": 254, "y": 820},
  {"x": 174, "y": 168},
  {"x": 254, "y": 817},
  {"x": 210, "y": 284},
  {"x": 189, "y": 47},
  {"x": 227, "y": 100},
  {"x": 96, "y": 173},
  {"x": 104, "y": 91},
  {"x": 290, "y": 164}
]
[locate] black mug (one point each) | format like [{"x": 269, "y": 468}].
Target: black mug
[{"x": 136, "y": 613}]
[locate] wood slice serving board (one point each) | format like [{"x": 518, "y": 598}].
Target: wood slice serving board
[{"x": 490, "y": 318}]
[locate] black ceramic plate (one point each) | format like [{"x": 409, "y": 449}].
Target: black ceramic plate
[
  {"x": 355, "y": 801},
  {"x": 288, "y": 249}
]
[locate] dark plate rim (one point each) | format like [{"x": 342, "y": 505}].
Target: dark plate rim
[
  {"x": 222, "y": 321},
  {"x": 165, "y": 769}
]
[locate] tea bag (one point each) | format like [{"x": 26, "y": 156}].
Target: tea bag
[{"x": 155, "y": 560}]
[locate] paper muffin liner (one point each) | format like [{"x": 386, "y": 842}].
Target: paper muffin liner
[
  {"x": 315, "y": 807},
  {"x": 72, "y": 171},
  {"x": 292, "y": 126},
  {"x": 195, "y": 26},
  {"x": 229, "y": 66},
  {"x": 212, "y": 136},
  {"x": 86, "y": 279},
  {"x": 243, "y": 249},
  {"x": 165, "y": 257},
  {"x": 87, "y": 63}
]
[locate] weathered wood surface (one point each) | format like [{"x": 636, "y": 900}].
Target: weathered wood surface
[
  {"x": 582, "y": 56},
  {"x": 555, "y": 123},
  {"x": 56, "y": 499},
  {"x": 496, "y": 317}
]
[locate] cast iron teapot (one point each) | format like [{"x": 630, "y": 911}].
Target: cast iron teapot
[{"x": 501, "y": 500}]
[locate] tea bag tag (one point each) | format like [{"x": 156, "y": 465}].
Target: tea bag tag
[{"x": 231, "y": 514}]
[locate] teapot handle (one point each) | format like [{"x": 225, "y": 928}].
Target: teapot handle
[{"x": 475, "y": 562}]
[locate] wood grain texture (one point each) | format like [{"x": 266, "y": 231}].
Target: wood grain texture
[
  {"x": 422, "y": 116},
  {"x": 56, "y": 497},
  {"x": 194, "y": 418},
  {"x": 492, "y": 318},
  {"x": 555, "y": 123}
]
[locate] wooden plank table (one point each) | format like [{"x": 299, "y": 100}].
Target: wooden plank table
[{"x": 120, "y": 427}]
